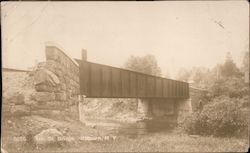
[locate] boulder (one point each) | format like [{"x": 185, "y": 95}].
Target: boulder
[
  {"x": 44, "y": 76},
  {"x": 48, "y": 136}
]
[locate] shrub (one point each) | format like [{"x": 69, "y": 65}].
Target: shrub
[{"x": 221, "y": 117}]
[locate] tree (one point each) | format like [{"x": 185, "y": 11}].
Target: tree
[
  {"x": 167, "y": 75},
  {"x": 229, "y": 68},
  {"x": 200, "y": 76},
  {"x": 146, "y": 64},
  {"x": 183, "y": 75}
]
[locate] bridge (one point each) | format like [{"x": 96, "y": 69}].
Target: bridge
[
  {"x": 62, "y": 84},
  {"x": 157, "y": 96}
]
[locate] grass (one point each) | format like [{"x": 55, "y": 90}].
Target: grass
[
  {"x": 171, "y": 141},
  {"x": 158, "y": 142}
]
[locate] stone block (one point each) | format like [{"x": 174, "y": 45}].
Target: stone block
[
  {"x": 31, "y": 101},
  {"x": 15, "y": 98},
  {"x": 52, "y": 105},
  {"x": 53, "y": 114},
  {"x": 40, "y": 112},
  {"x": 51, "y": 53},
  {"x": 71, "y": 102},
  {"x": 56, "y": 104},
  {"x": 73, "y": 111},
  {"x": 51, "y": 65},
  {"x": 58, "y": 72},
  {"x": 6, "y": 108},
  {"x": 44, "y": 87},
  {"x": 41, "y": 65},
  {"x": 63, "y": 87},
  {"x": 44, "y": 96},
  {"x": 20, "y": 110},
  {"x": 60, "y": 96},
  {"x": 44, "y": 76}
]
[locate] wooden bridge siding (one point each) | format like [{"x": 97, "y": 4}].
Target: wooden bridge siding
[
  {"x": 95, "y": 80},
  {"x": 165, "y": 88},
  {"x": 125, "y": 83},
  {"x": 158, "y": 87},
  {"x": 84, "y": 78},
  {"x": 105, "y": 81},
  {"x": 141, "y": 85},
  {"x": 116, "y": 83},
  {"x": 177, "y": 89},
  {"x": 133, "y": 85},
  {"x": 150, "y": 86}
]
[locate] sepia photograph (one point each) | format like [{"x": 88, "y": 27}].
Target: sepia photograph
[{"x": 125, "y": 76}]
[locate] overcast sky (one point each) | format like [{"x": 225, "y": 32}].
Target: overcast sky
[{"x": 179, "y": 34}]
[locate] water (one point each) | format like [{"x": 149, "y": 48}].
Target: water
[{"x": 132, "y": 130}]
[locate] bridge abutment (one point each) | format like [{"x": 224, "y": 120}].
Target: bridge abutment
[
  {"x": 56, "y": 83},
  {"x": 163, "y": 112},
  {"x": 183, "y": 108},
  {"x": 144, "y": 108}
]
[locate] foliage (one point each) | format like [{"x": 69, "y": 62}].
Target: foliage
[
  {"x": 224, "y": 116},
  {"x": 232, "y": 87},
  {"x": 146, "y": 64},
  {"x": 200, "y": 74},
  {"x": 183, "y": 75}
]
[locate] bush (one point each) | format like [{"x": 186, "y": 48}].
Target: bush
[{"x": 223, "y": 116}]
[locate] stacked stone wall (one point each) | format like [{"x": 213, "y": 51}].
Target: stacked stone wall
[
  {"x": 56, "y": 82},
  {"x": 17, "y": 88}
]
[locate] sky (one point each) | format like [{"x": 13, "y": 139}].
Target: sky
[{"x": 180, "y": 34}]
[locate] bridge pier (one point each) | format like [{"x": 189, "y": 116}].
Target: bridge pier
[
  {"x": 183, "y": 108},
  {"x": 144, "y": 108},
  {"x": 165, "y": 111}
]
